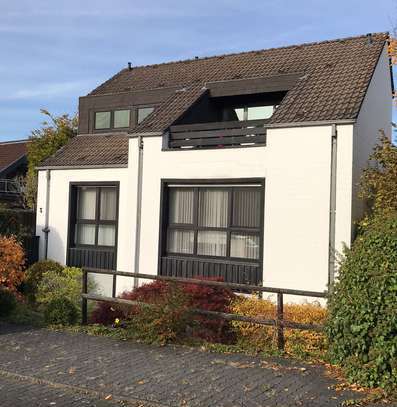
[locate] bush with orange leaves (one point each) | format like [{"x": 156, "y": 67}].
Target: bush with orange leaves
[
  {"x": 263, "y": 338},
  {"x": 12, "y": 260}
]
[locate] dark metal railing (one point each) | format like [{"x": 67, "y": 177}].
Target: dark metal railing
[
  {"x": 10, "y": 186},
  {"x": 278, "y": 322},
  {"x": 218, "y": 134}
]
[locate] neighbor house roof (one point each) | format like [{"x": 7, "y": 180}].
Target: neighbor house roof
[
  {"x": 332, "y": 79},
  {"x": 12, "y": 153}
]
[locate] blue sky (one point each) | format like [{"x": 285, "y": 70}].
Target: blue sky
[{"x": 54, "y": 51}]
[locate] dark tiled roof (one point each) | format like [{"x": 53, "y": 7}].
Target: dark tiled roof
[
  {"x": 91, "y": 150},
  {"x": 335, "y": 76},
  {"x": 11, "y": 151},
  {"x": 332, "y": 82}
]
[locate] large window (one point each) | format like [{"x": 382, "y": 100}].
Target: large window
[
  {"x": 221, "y": 221},
  {"x": 95, "y": 220}
]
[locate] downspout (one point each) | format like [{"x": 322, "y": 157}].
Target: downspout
[
  {"x": 46, "y": 229},
  {"x": 138, "y": 208},
  {"x": 332, "y": 209}
]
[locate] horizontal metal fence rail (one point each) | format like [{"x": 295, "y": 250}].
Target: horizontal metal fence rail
[
  {"x": 218, "y": 134},
  {"x": 10, "y": 186},
  {"x": 279, "y": 322}
]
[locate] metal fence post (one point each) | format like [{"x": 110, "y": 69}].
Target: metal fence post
[
  {"x": 84, "y": 317},
  {"x": 279, "y": 320}
]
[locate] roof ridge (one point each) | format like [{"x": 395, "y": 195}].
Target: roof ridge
[
  {"x": 304, "y": 44},
  {"x": 14, "y": 141}
]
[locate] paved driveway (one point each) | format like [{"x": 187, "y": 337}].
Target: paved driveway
[{"x": 44, "y": 368}]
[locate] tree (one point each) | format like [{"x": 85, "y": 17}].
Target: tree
[
  {"x": 379, "y": 180},
  {"x": 43, "y": 143}
]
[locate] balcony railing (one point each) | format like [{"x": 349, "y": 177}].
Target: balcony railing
[
  {"x": 10, "y": 187},
  {"x": 218, "y": 134}
]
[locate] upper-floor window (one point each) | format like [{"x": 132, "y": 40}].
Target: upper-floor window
[
  {"x": 102, "y": 120},
  {"x": 254, "y": 112},
  {"x": 143, "y": 112},
  {"x": 112, "y": 119},
  {"x": 120, "y": 118}
]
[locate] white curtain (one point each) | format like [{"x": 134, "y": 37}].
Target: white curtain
[
  {"x": 213, "y": 207},
  {"x": 180, "y": 241},
  {"x": 87, "y": 200},
  {"x": 181, "y": 205},
  {"x": 246, "y": 207},
  {"x": 106, "y": 235},
  {"x": 244, "y": 246},
  {"x": 108, "y": 203},
  {"x": 211, "y": 243},
  {"x": 85, "y": 234}
]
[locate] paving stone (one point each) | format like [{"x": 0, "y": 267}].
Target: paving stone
[{"x": 39, "y": 367}]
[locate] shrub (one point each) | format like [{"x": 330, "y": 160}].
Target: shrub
[
  {"x": 362, "y": 324},
  {"x": 210, "y": 298},
  {"x": 8, "y": 302},
  {"x": 105, "y": 313},
  {"x": 61, "y": 311},
  {"x": 65, "y": 284},
  {"x": 197, "y": 296},
  {"x": 262, "y": 338},
  {"x": 164, "y": 321},
  {"x": 34, "y": 274},
  {"x": 12, "y": 259}
]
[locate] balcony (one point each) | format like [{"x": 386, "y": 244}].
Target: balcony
[
  {"x": 247, "y": 133},
  {"x": 10, "y": 187}
]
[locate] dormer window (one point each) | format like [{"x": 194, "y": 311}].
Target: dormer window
[
  {"x": 254, "y": 112},
  {"x": 115, "y": 119},
  {"x": 144, "y": 112},
  {"x": 102, "y": 120},
  {"x": 121, "y": 119}
]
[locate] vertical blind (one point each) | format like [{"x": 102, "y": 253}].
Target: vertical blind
[{"x": 212, "y": 217}]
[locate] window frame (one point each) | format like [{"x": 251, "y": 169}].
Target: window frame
[
  {"x": 74, "y": 221},
  {"x": 228, "y": 184},
  {"x": 112, "y": 111},
  {"x": 142, "y": 107}
]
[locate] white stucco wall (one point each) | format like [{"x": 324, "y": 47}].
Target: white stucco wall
[
  {"x": 58, "y": 218},
  {"x": 296, "y": 165},
  {"x": 375, "y": 114}
]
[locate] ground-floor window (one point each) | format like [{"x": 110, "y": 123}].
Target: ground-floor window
[
  {"x": 93, "y": 222},
  {"x": 220, "y": 220}
]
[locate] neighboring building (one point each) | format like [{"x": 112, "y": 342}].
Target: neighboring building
[
  {"x": 13, "y": 166},
  {"x": 243, "y": 166}
]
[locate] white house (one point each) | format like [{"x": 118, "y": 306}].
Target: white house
[{"x": 243, "y": 166}]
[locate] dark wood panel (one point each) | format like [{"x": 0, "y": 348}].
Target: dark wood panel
[
  {"x": 217, "y": 125},
  {"x": 276, "y": 83},
  {"x": 220, "y": 141},
  {"x": 231, "y": 272},
  {"x": 86, "y": 257},
  {"x": 242, "y": 131}
]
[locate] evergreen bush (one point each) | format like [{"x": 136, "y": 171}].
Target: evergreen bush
[{"x": 362, "y": 323}]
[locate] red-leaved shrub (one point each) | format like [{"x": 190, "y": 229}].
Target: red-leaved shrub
[
  {"x": 209, "y": 298},
  {"x": 105, "y": 313}
]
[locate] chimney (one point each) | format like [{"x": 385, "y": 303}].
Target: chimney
[{"x": 369, "y": 38}]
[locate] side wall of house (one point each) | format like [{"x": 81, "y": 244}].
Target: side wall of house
[
  {"x": 375, "y": 115},
  {"x": 59, "y": 218}
]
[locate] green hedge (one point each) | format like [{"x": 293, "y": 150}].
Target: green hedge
[{"x": 362, "y": 324}]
